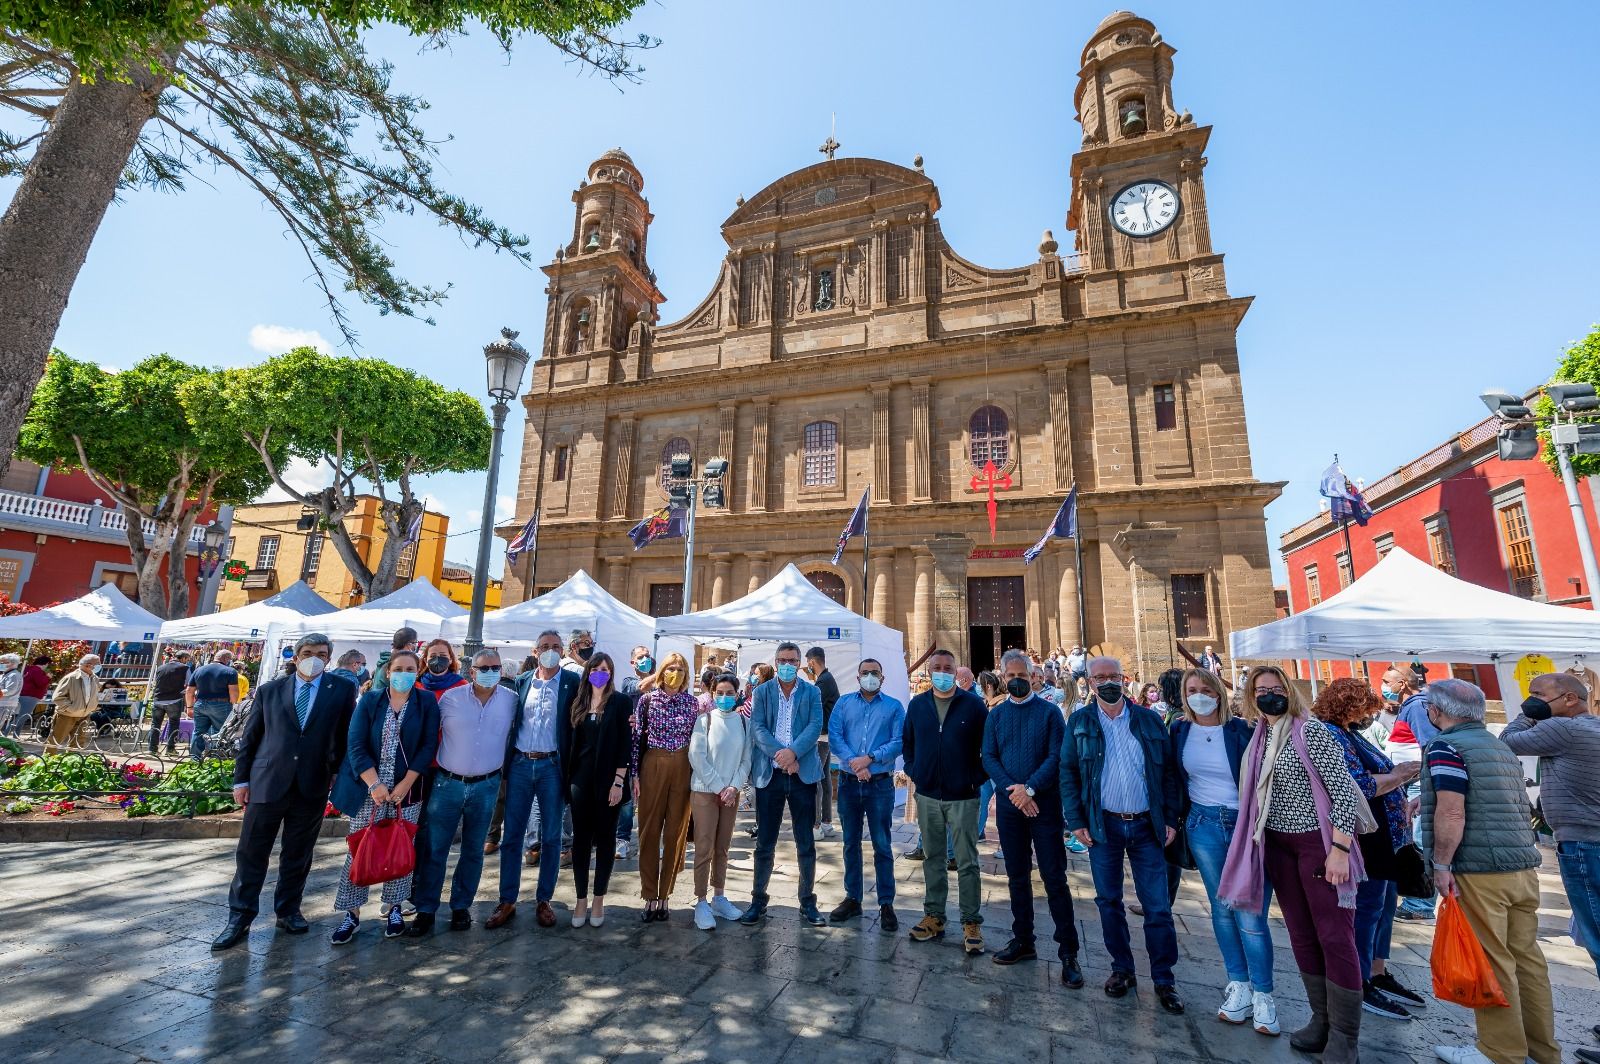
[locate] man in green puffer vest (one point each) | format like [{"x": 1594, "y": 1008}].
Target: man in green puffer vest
[{"x": 1476, "y": 831}]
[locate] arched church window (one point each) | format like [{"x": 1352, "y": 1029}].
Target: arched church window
[
  {"x": 821, "y": 466},
  {"x": 989, "y": 434},
  {"x": 676, "y": 445},
  {"x": 578, "y": 330}
]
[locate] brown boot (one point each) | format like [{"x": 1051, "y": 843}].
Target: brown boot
[
  {"x": 503, "y": 914},
  {"x": 1313, "y": 1037},
  {"x": 1344, "y": 1019},
  {"x": 928, "y": 929}
]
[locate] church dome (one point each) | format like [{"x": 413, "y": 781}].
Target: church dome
[
  {"x": 1114, "y": 18},
  {"x": 621, "y": 156}
]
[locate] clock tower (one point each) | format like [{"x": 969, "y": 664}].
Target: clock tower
[{"x": 1138, "y": 192}]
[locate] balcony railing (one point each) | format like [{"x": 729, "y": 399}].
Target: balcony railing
[{"x": 45, "y": 513}]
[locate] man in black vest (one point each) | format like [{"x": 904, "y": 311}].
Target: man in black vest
[{"x": 291, "y": 747}]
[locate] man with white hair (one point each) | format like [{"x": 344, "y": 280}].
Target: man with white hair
[
  {"x": 75, "y": 697},
  {"x": 579, "y": 646},
  {"x": 10, "y": 689},
  {"x": 1475, "y": 829}
]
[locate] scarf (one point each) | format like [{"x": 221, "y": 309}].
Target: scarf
[{"x": 438, "y": 683}]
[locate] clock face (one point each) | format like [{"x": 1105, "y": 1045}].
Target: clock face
[{"x": 1145, "y": 208}]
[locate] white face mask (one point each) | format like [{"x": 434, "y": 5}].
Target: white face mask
[
  {"x": 870, "y": 683},
  {"x": 1203, "y": 704},
  {"x": 311, "y": 667},
  {"x": 549, "y": 659}
]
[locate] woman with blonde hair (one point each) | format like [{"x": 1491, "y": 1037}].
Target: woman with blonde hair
[
  {"x": 1297, "y": 824},
  {"x": 664, "y": 724},
  {"x": 1208, "y": 745}
]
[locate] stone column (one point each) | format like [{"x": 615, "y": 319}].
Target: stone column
[
  {"x": 722, "y": 577},
  {"x": 617, "y": 575},
  {"x": 881, "y": 592},
  {"x": 882, "y": 482},
  {"x": 950, "y": 553},
  {"x": 922, "y": 613},
  {"x": 622, "y": 467},
  {"x": 1148, "y": 550},
  {"x": 758, "y": 568},
  {"x": 921, "y": 485},
  {"x": 758, "y": 457},
  {"x": 727, "y": 416},
  {"x": 1067, "y": 604}
]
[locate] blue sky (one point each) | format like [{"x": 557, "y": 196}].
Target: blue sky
[{"x": 1405, "y": 189}]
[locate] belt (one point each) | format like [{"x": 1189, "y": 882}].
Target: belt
[
  {"x": 537, "y": 755},
  {"x": 468, "y": 779},
  {"x": 876, "y": 776},
  {"x": 1128, "y": 816}
]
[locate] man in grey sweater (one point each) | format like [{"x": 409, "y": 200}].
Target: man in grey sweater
[{"x": 1557, "y": 728}]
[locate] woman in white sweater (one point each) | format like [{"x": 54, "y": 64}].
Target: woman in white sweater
[{"x": 719, "y": 763}]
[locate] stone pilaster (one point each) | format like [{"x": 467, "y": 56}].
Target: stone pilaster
[
  {"x": 622, "y": 466},
  {"x": 721, "y": 577},
  {"x": 1147, "y": 550},
  {"x": 921, "y": 484},
  {"x": 923, "y": 610},
  {"x": 759, "y": 559},
  {"x": 759, "y": 458},
  {"x": 1060, "y": 427},
  {"x": 950, "y": 553},
  {"x": 882, "y": 448}
]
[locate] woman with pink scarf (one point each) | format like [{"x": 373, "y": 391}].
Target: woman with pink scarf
[{"x": 1298, "y": 817}]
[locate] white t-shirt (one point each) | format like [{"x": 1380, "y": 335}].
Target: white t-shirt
[{"x": 1205, "y": 759}]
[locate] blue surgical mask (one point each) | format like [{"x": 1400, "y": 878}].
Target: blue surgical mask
[
  {"x": 1391, "y": 696},
  {"x": 787, "y": 672},
  {"x": 402, "y": 681},
  {"x": 644, "y": 665},
  {"x": 726, "y": 702},
  {"x": 486, "y": 677},
  {"x": 943, "y": 681}
]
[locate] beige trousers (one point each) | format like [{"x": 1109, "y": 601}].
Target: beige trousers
[
  {"x": 1503, "y": 909},
  {"x": 713, "y": 831}
]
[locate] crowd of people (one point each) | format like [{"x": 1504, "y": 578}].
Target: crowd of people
[{"x": 1263, "y": 796}]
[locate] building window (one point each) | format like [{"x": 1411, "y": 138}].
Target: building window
[
  {"x": 406, "y": 569},
  {"x": 990, "y": 437},
  {"x": 560, "y": 472},
  {"x": 127, "y": 583},
  {"x": 1324, "y": 670},
  {"x": 1313, "y": 586},
  {"x": 1441, "y": 552},
  {"x": 1166, "y": 407},
  {"x": 676, "y": 445},
  {"x": 1190, "y": 617},
  {"x": 830, "y": 584},
  {"x": 313, "y": 554},
  {"x": 1383, "y": 544},
  {"x": 821, "y": 466},
  {"x": 1517, "y": 538},
  {"x": 666, "y": 600},
  {"x": 267, "y": 552},
  {"x": 1346, "y": 573},
  {"x": 227, "y": 552}
]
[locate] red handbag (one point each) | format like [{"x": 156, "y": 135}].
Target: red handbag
[{"x": 384, "y": 850}]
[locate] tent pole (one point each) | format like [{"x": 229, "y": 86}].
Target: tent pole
[{"x": 1313, "y": 654}]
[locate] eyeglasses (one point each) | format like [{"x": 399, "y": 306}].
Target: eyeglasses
[{"x": 873, "y": 672}]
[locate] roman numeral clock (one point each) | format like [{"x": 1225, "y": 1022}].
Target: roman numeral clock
[{"x": 1145, "y": 208}]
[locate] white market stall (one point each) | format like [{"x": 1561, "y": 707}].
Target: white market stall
[
  {"x": 789, "y": 607},
  {"x": 370, "y": 626},
  {"x": 1403, "y": 607},
  {"x": 103, "y": 615},
  {"x": 250, "y": 623}
]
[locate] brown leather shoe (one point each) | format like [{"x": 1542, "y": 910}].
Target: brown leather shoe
[
  {"x": 545, "y": 915},
  {"x": 490, "y": 847},
  {"x": 503, "y": 915}
]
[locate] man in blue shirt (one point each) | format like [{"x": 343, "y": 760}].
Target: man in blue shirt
[
  {"x": 1021, "y": 752},
  {"x": 864, "y": 733},
  {"x": 213, "y": 689}
]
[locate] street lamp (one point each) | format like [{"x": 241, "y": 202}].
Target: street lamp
[
  {"x": 1519, "y": 440},
  {"x": 681, "y": 493},
  {"x": 506, "y": 359},
  {"x": 213, "y": 539}
]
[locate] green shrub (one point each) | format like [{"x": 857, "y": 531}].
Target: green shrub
[
  {"x": 68, "y": 773},
  {"x": 208, "y": 775}
]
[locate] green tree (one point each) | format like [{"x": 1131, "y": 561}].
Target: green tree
[
  {"x": 1580, "y": 365},
  {"x": 371, "y": 425},
  {"x": 131, "y": 434},
  {"x": 280, "y": 93}
]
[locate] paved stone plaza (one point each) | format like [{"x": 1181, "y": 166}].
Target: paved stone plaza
[{"x": 104, "y": 957}]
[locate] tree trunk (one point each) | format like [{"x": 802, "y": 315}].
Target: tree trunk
[
  {"x": 47, "y": 229},
  {"x": 397, "y": 518},
  {"x": 349, "y": 553},
  {"x": 178, "y": 564}
]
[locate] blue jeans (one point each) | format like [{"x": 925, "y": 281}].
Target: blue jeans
[
  {"x": 208, "y": 719},
  {"x": 1244, "y": 938},
  {"x": 785, "y": 790},
  {"x": 985, "y": 793},
  {"x": 1135, "y": 840},
  {"x": 1375, "y": 904},
  {"x": 1580, "y": 874},
  {"x": 528, "y": 780},
  {"x": 453, "y": 803},
  {"x": 625, "y": 821},
  {"x": 873, "y": 799}
]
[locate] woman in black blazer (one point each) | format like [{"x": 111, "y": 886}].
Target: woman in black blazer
[
  {"x": 394, "y": 735},
  {"x": 595, "y": 765}
]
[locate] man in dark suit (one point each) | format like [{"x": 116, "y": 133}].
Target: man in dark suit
[
  {"x": 542, "y": 728},
  {"x": 292, "y": 744}
]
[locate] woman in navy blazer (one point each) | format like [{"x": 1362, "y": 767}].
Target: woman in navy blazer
[
  {"x": 1208, "y": 743},
  {"x": 394, "y": 735}
]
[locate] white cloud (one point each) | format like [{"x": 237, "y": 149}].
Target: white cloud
[
  {"x": 300, "y": 475},
  {"x": 505, "y": 507},
  {"x": 276, "y": 339}
]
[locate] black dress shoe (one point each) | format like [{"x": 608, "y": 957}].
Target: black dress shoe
[
  {"x": 422, "y": 926},
  {"x": 916, "y": 855},
  {"x": 294, "y": 923},
  {"x": 1169, "y": 999},
  {"x": 1119, "y": 984},
  {"x": 1589, "y": 1056},
  {"x": 887, "y": 919},
  {"x": 1015, "y": 951},
  {"x": 845, "y": 910},
  {"x": 237, "y": 931},
  {"x": 460, "y": 919},
  {"x": 811, "y": 915},
  {"x": 1071, "y": 974}
]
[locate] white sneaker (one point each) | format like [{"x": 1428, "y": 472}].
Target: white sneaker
[
  {"x": 622, "y": 850},
  {"x": 827, "y": 829},
  {"x": 1460, "y": 1055},
  {"x": 1265, "y": 1012},
  {"x": 704, "y": 918},
  {"x": 725, "y": 909},
  {"x": 1235, "y": 1007}
]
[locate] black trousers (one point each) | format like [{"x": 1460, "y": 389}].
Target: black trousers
[
  {"x": 594, "y": 828},
  {"x": 172, "y": 713},
  {"x": 300, "y": 818},
  {"x": 1022, "y": 838}
]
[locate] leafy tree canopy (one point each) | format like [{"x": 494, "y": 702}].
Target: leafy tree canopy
[{"x": 1580, "y": 365}]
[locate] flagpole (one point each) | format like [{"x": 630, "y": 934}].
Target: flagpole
[
  {"x": 1077, "y": 552},
  {"x": 866, "y": 561}
]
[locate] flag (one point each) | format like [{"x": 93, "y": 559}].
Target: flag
[
  {"x": 414, "y": 533},
  {"x": 1065, "y": 526},
  {"x": 857, "y": 525},
  {"x": 524, "y": 540},
  {"x": 1344, "y": 498},
  {"x": 665, "y": 523}
]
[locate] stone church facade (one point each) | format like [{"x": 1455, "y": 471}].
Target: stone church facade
[{"x": 846, "y": 344}]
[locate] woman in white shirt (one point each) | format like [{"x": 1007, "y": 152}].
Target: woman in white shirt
[
  {"x": 1208, "y": 742},
  {"x": 719, "y": 766}
]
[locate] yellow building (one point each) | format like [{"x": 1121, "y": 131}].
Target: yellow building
[
  {"x": 456, "y": 582},
  {"x": 268, "y": 538}
]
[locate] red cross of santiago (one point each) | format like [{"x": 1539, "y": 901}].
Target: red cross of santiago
[{"x": 991, "y": 478}]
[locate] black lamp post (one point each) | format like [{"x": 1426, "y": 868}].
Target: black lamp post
[{"x": 506, "y": 359}]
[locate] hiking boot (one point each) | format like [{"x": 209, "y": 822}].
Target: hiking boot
[
  {"x": 928, "y": 929},
  {"x": 972, "y": 938}
]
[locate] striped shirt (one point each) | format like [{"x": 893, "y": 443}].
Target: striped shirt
[
  {"x": 1122, "y": 782},
  {"x": 1446, "y": 768}
]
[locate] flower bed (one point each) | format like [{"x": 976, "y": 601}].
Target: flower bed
[{"x": 133, "y": 789}]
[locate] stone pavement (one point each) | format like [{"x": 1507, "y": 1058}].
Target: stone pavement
[{"x": 104, "y": 958}]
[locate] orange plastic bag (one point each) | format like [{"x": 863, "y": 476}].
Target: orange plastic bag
[{"x": 1461, "y": 971}]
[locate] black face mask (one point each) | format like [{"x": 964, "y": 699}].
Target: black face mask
[
  {"x": 1110, "y": 692},
  {"x": 1273, "y": 704},
  {"x": 584, "y": 652},
  {"x": 438, "y": 664},
  {"x": 1535, "y": 708},
  {"x": 1018, "y": 687}
]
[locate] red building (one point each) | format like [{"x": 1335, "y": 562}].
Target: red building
[
  {"x": 1502, "y": 525},
  {"x": 60, "y": 537}
]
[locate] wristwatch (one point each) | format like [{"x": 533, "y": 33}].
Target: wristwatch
[
  {"x": 1437, "y": 867},
  {"x": 1028, "y": 791}
]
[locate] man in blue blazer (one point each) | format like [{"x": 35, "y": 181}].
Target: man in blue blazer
[
  {"x": 541, "y": 730},
  {"x": 785, "y": 723},
  {"x": 293, "y": 742}
]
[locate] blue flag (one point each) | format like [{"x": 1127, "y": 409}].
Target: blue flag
[
  {"x": 857, "y": 525},
  {"x": 665, "y": 523},
  {"x": 1065, "y": 526},
  {"x": 1345, "y": 501},
  {"x": 524, "y": 541}
]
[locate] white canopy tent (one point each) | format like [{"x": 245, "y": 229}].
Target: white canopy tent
[
  {"x": 253, "y": 621},
  {"x": 370, "y": 626},
  {"x": 103, "y": 614},
  {"x": 1403, "y": 607},
  {"x": 789, "y": 607}
]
